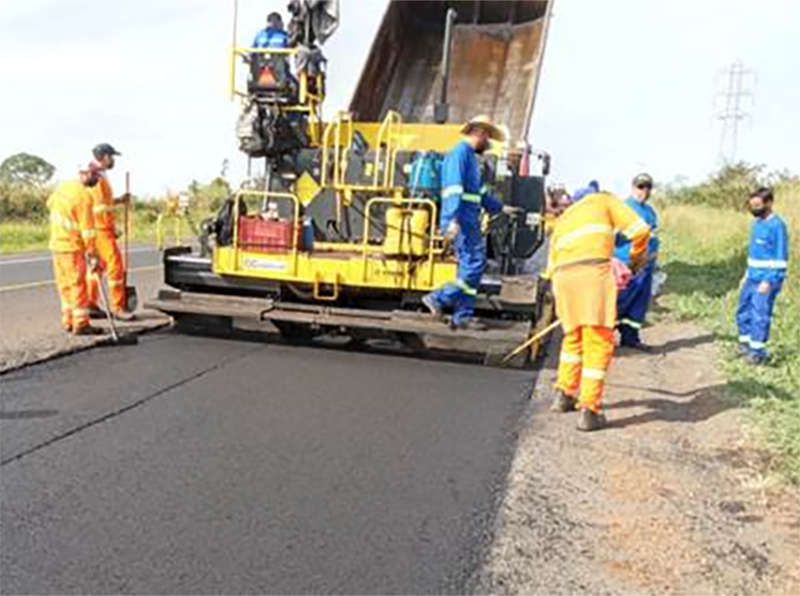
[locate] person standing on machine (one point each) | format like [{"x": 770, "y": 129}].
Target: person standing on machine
[
  {"x": 464, "y": 196},
  {"x": 108, "y": 253}
]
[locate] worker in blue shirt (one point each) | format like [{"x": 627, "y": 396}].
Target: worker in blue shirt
[
  {"x": 463, "y": 199},
  {"x": 634, "y": 301},
  {"x": 767, "y": 261},
  {"x": 274, "y": 35}
]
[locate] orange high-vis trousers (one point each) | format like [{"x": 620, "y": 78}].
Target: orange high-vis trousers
[
  {"x": 111, "y": 262},
  {"x": 70, "y": 272},
  {"x": 586, "y": 354}
]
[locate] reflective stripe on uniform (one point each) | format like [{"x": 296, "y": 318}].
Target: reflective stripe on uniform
[
  {"x": 88, "y": 234},
  {"x": 766, "y": 264},
  {"x": 114, "y": 283},
  {"x": 453, "y": 189},
  {"x": 744, "y": 339},
  {"x": 80, "y": 312},
  {"x": 67, "y": 224},
  {"x": 758, "y": 345},
  {"x": 631, "y": 323},
  {"x": 586, "y": 230},
  {"x": 99, "y": 209},
  {"x": 593, "y": 373},
  {"x": 485, "y": 189},
  {"x": 571, "y": 358},
  {"x": 471, "y": 197},
  {"x": 634, "y": 228},
  {"x": 464, "y": 287}
]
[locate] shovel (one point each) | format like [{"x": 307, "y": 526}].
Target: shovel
[
  {"x": 117, "y": 339},
  {"x": 131, "y": 299}
]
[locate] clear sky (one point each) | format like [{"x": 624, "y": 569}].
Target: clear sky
[{"x": 627, "y": 84}]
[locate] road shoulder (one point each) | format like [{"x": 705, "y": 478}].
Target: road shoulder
[{"x": 670, "y": 499}]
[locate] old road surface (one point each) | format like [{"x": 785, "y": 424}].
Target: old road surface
[
  {"x": 32, "y": 270},
  {"x": 196, "y": 465}
]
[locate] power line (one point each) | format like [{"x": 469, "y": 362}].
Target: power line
[{"x": 733, "y": 114}]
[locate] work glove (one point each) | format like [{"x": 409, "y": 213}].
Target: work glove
[
  {"x": 126, "y": 198},
  {"x": 93, "y": 263},
  {"x": 452, "y": 231},
  {"x": 511, "y": 210},
  {"x": 639, "y": 263},
  {"x": 763, "y": 288}
]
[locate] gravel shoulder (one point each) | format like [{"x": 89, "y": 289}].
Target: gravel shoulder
[{"x": 671, "y": 499}]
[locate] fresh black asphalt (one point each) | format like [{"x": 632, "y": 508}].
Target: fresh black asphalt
[{"x": 190, "y": 465}]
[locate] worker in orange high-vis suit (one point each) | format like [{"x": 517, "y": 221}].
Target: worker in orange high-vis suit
[
  {"x": 107, "y": 248},
  {"x": 581, "y": 248},
  {"x": 72, "y": 242}
]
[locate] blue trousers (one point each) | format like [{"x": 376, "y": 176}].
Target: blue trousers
[
  {"x": 754, "y": 316},
  {"x": 460, "y": 295},
  {"x": 632, "y": 305}
]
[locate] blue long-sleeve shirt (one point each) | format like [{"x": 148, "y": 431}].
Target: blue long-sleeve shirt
[
  {"x": 768, "y": 256},
  {"x": 622, "y": 250},
  {"x": 463, "y": 195},
  {"x": 271, "y": 38}
]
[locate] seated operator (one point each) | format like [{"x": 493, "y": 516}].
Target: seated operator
[{"x": 273, "y": 37}]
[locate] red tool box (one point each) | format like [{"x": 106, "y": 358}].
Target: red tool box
[{"x": 258, "y": 234}]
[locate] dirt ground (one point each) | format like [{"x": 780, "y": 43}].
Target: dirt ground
[
  {"x": 30, "y": 323},
  {"x": 671, "y": 499}
]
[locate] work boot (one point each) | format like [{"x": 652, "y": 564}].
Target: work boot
[
  {"x": 96, "y": 313},
  {"x": 743, "y": 351},
  {"x": 638, "y": 346},
  {"x": 125, "y": 316},
  {"x": 563, "y": 403},
  {"x": 470, "y": 324},
  {"x": 433, "y": 308},
  {"x": 757, "y": 359},
  {"x": 87, "y": 330},
  {"x": 590, "y": 421}
]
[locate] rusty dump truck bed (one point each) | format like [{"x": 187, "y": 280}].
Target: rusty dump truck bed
[{"x": 497, "y": 49}]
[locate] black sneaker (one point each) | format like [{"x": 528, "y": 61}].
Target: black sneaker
[
  {"x": 590, "y": 421},
  {"x": 96, "y": 313},
  {"x": 563, "y": 403}
]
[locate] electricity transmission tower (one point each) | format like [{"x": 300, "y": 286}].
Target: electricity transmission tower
[{"x": 733, "y": 114}]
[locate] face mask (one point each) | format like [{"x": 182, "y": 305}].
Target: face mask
[
  {"x": 758, "y": 211},
  {"x": 482, "y": 147}
]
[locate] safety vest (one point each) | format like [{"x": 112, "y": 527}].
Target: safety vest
[
  {"x": 585, "y": 232},
  {"x": 71, "y": 219},
  {"x": 103, "y": 205}
]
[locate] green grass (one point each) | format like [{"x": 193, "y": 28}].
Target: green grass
[
  {"x": 27, "y": 236},
  {"x": 22, "y": 236},
  {"x": 703, "y": 253}
]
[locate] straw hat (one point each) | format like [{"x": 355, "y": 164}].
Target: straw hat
[{"x": 484, "y": 123}]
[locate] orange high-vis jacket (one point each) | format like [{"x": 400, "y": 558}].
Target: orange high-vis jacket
[
  {"x": 71, "y": 219},
  {"x": 103, "y": 205},
  {"x": 585, "y": 232}
]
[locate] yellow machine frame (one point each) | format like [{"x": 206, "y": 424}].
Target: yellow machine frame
[{"x": 334, "y": 265}]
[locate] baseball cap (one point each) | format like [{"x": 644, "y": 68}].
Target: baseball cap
[
  {"x": 104, "y": 149},
  {"x": 643, "y": 180}
]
